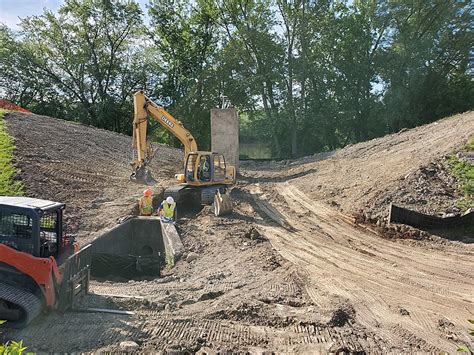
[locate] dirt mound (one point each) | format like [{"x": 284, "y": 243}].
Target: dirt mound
[
  {"x": 85, "y": 167},
  {"x": 408, "y": 168}
]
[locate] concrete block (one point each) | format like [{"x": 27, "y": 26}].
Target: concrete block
[
  {"x": 225, "y": 134},
  {"x": 172, "y": 243}
]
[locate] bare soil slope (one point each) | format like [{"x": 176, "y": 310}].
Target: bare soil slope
[
  {"x": 85, "y": 167},
  {"x": 413, "y": 294},
  {"x": 407, "y": 168}
]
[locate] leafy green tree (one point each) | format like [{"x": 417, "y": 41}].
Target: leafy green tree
[
  {"x": 86, "y": 59},
  {"x": 427, "y": 65},
  {"x": 185, "y": 39}
]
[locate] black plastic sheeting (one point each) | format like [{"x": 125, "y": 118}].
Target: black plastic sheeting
[
  {"x": 127, "y": 266},
  {"x": 420, "y": 220}
]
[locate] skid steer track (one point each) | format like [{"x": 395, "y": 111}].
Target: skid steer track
[{"x": 26, "y": 305}]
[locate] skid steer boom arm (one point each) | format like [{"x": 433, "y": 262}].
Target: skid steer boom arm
[{"x": 144, "y": 107}]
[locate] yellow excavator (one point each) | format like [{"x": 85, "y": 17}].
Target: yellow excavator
[{"x": 206, "y": 179}]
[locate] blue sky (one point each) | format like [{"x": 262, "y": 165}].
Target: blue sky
[{"x": 11, "y": 10}]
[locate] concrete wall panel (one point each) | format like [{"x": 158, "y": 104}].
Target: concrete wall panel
[{"x": 225, "y": 134}]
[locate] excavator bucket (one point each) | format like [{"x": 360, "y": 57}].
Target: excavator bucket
[
  {"x": 222, "y": 203},
  {"x": 143, "y": 176}
]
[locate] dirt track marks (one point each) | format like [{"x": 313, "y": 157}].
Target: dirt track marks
[{"x": 378, "y": 277}]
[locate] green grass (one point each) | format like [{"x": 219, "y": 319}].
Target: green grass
[
  {"x": 464, "y": 171},
  {"x": 470, "y": 145},
  {"x": 8, "y": 186}
]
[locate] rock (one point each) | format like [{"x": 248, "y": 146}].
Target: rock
[
  {"x": 403, "y": 311},
  {"x": 128, "y": 345},
  {"x": 191, "y": 257},
  {"x": 206, "y": 351}
]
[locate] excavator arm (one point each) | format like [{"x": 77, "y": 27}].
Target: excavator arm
[{"x": 144, "y": 107}]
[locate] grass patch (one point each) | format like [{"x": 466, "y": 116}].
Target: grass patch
[
  {"x": 470, "y": 145},
  {"x": 464, "y": 171},
  {"x": 8, "y": 186}
]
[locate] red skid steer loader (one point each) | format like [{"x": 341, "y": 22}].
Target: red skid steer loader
[{"x": 41, "y": 268}]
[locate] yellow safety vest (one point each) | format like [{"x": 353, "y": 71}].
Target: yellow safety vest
[
  {"x": 146, "y": 206},
  {"x": 168, "y": 209}
]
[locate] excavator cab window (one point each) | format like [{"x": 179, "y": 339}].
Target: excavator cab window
[
  {"x": 219, "y": 167},
  {"x": 190, "y": 165},
  {"x": 204, "y": 170}
]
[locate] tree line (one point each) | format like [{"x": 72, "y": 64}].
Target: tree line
[{"x": 307, "y": 75}]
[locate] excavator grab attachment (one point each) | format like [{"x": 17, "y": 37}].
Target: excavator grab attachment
[{"x": 222, "y": 203}]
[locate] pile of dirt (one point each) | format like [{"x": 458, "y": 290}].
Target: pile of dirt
[
  {"x": 85, "y": 167},
  {"x": 408, "y": 168},
  {"x": 431, "y": 189}
]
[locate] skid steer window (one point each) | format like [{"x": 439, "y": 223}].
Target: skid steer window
[
  {"x": 49, "y": 234},
  {"x": 15, "y": 225}
]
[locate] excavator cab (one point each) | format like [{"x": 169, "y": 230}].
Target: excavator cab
[{"x": 205, "y": 168}]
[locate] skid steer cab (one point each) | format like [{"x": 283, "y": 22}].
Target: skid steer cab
[{"x": 41, "y": 268}]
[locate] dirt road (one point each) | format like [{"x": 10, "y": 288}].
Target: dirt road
[{"x": 412, "y": 295}]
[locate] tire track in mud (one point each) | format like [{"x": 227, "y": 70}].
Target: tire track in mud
[{"x": 378, "y": 283}]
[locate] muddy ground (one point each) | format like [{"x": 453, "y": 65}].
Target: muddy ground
[{"x": 288, "y": 271}]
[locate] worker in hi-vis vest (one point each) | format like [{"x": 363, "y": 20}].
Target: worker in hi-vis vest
[
  {"x": 145, "y": 203},
  {"x": 167, "y": 210}
]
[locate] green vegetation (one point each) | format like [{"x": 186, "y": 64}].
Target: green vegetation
[
  {"x": 307, "y": 76},
  {"x": 470, "y": 145},
  {"x": 7, "y": 171},
  {"x": 11, "y": 347},
  {"x": 464, "y": 171},
  {"x": 465, "y": 348}
]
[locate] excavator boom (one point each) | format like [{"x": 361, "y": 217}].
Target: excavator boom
[{"x": 145, "y": 107}]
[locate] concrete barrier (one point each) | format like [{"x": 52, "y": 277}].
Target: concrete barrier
[
  {"x": 225, "y": 134},
  {"x": 137, "y": 241},
  {"x": 137, "y": 236},
  {"x": 172, "y": 243}
]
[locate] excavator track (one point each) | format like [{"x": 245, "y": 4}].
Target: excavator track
[{"x": 23, "y": 306}]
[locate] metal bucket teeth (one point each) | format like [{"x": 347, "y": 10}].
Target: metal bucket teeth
[{"x": 143, "y": 176}]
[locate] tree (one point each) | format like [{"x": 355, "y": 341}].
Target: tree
[
  {"x": 185, "y": 38},
  {"x": 84, "y": 59}
]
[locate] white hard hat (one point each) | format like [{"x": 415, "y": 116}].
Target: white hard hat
[{"x": 170, "y": 200}]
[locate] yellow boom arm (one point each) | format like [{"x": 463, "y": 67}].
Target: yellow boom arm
[{"x": 144, "y": 107}]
